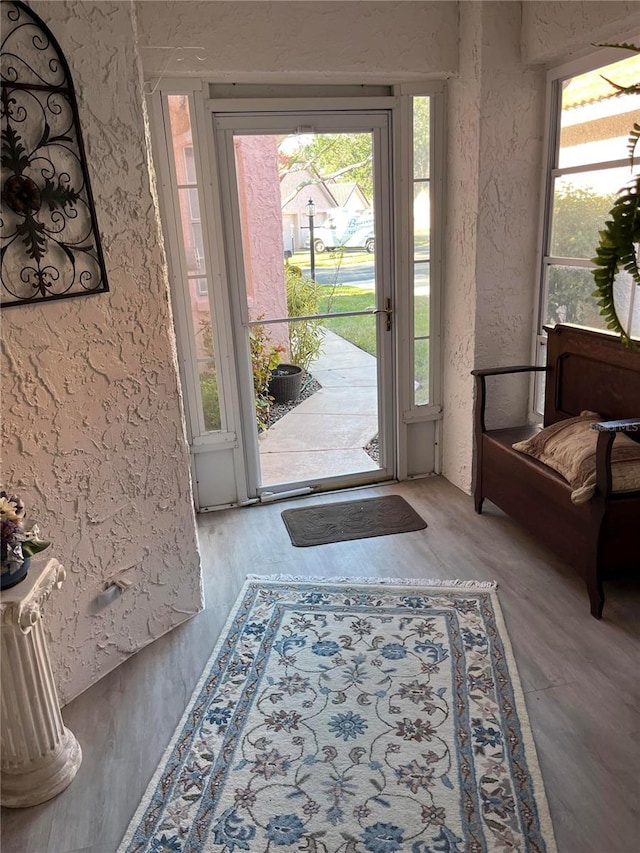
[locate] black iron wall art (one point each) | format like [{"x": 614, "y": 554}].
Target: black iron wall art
[{"x": 49, "y": 241}]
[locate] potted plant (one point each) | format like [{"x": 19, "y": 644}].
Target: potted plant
[
  {"x": 19, "y": 541},
  {"x": 305, "y": 336},
  {"x": 620, "y": 237},
  {"x": 285, "y": 383}
]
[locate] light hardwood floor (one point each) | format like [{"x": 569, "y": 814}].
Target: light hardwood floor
[{"x": 581, "y": 677}]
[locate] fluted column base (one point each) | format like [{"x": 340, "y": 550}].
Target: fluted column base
[
  {"x": 39, "y": 756},
  {"x": 47, "y": 778}
]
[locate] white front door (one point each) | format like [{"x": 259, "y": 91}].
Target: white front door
[{"x": 306, "y": 203}]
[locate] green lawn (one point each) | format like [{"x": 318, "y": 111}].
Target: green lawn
[
  {"x": 332, "y": 260},
  {"x": 360, "y": 331}
]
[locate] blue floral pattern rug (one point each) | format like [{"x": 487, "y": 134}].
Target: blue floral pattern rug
[{"x": 343, "y": 717}]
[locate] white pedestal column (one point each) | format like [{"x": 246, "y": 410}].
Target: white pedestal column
[{"x": 39, "y": 756}]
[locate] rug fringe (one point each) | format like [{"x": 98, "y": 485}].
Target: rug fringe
[{"x": 447, "y": 582}]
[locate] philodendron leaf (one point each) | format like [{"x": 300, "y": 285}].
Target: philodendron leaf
[
  {"x": 616, "y": 251},
  {"x": 625, "y": 45},
  {"x": 34, "y": 546}
]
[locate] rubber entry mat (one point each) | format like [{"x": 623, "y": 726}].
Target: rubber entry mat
[{"x": 360, "y": 519}]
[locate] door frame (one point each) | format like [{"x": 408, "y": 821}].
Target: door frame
[
  {"x": 217, "y": 458},
  {"x": 260, "y": 123}
]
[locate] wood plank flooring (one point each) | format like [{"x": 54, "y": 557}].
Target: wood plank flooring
[{"x": 581, "y": 677}]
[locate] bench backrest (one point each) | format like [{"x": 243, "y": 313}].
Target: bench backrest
[{"x": 590, "y": 370}]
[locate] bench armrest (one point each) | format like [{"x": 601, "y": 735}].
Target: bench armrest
[
  {"x": 518, "y": 368},
  {"x": 608, "y": 431},
  {"x": 481, "y": 387}
]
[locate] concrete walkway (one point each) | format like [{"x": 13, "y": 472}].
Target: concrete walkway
[{"x": 325, "y": 435}]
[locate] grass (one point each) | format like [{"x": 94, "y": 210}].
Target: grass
[
  {"x": 360, "y": 331},
  {"x": 332, "y": 260}
]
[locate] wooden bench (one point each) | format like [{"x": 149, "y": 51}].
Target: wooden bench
[{"x": 585, "y": 370}]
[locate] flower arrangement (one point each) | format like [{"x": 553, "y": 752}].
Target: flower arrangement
[{"x": 19, "y": 537}]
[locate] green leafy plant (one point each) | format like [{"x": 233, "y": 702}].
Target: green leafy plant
[
  {"x": 303, "y": 298},
  {"x": 209, "y": 381},
  {"x": 265, "y": 357},
  {"x": 19, "y": 537},
  {"x": 617, "y": 248}
]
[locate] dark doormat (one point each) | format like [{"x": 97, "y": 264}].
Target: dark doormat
[{"x": 318, "y": 525}]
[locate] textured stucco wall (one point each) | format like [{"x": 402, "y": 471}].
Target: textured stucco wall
[
  {"x": 556, "y": 32},
  {"x": 303, "y": 41},
  {"x": 495, "y": 142},
  {"x": 92, "y": 428},
  {"x": 461, "y": 240},
  {"x": 511, "y": 145}
]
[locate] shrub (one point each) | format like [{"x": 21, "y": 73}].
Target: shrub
[
  {"x": 210, "y": 400},
  {"x": 265, "y": 357},
  {"x": 303, "y": 299}
]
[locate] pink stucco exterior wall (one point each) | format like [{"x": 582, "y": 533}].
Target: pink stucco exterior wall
[{"x": 261, "y": 219}]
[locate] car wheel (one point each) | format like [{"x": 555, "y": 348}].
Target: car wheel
[
  {"x": 370, "y": 246},
  {"x": 319, "y": 246}
]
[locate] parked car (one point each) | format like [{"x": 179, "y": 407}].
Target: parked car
[{"x": 346, "y": 229}]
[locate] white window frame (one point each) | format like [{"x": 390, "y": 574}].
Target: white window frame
[
  {"x": 432, "y": 411},
  {"x": 555, "y": 78},
  {"x": 198, "y": 437}
]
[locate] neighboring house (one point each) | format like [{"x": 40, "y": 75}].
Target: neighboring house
[
  {"x": 348, "y": 195},
  {"x": 297, "y": 188}
]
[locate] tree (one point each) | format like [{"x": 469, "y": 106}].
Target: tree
[
  {"x": 331, "y": 157},
  {"x": 577, "y": 217},
  {"x": 421, "y": 136}
]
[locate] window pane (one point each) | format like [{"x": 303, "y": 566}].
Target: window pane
[
  {"x": 201, "y": 288},
  {"x": 421, "y": 299},
  {"x": 580, "y": 207},
  {"x": 190, "y": 166},
  {"x": 205, "y": 353},
  {"x": 569, "y": 298},
  {"x": 421, "y": 137},
  {"x": 540, "y": 378},
  {"x": 201, "y": 349},
  {"x": 191, "y": 232},
  {"x": 209, "y": 395},
  {"x": 421, "y": 372},
  {"x": 285, "y": 274},
  {"x": 421, "y": 220},
  {"x": 626, "y": 298},
  {"x": 194, "y": 204},
  {"x": 595, "y": 122},
  {"x": 180, "y": 121}
]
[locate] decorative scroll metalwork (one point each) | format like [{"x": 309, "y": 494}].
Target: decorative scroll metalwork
[{"x": 49, "y": 242}]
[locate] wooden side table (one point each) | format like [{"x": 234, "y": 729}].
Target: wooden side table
[{"x": 39, "y": 756}]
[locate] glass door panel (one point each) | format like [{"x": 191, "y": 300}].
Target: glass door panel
[{"x": 306, "y": 207}]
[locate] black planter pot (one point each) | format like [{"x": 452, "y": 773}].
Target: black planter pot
[{"x": 285, "y": 383}]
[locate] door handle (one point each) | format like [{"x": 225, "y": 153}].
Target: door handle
[{"x": 386, "y": 310}]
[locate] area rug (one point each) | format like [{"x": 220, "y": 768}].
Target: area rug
[
  {"x": 358, "y": 519},
  {"x": 342, "y": 717}
]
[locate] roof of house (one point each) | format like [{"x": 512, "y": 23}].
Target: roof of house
[
  {"x": 344, "y": 190},
  {"x": 592, "y": 86},
  {"x": 307, "y": 182}
]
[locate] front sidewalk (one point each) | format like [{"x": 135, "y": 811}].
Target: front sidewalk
[{"x": 326, "y": 434}]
